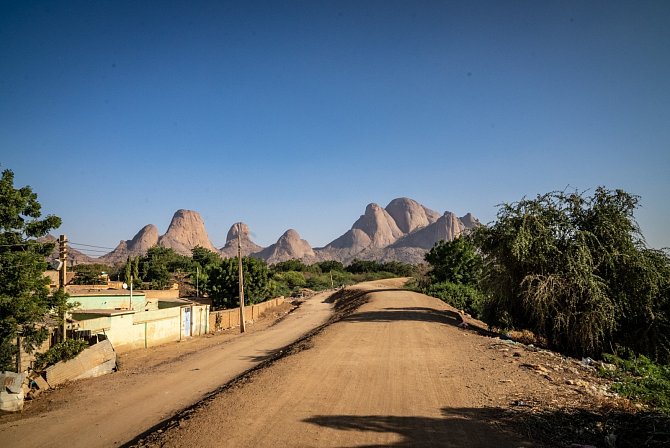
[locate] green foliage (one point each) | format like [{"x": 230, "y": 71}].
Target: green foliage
[
  {"x": 204, "y": 261},
  {"x": 292, "y": 279},
  {"x": 640, "y": 379},
  {"x": 90, "y": 274},
  {"x": 396, "y": 268},
  {"x": 455, "y": 261},
  {"x": 574, "y": 269},
  {"x": 61, "y": 351},
  {"x": 224, "y": 283},
  {"x": 463, "y": 297},
  {"x": 160, "y": 265},
  {"x": 289, "y": 265},
  {"x": 61, "y": 305},
  {"x": 330, "y": 265},
  {"x": 24, "y": 296}
]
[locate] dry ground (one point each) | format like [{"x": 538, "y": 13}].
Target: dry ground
[
  {"x": 398, "y": 371},
  {"x": 154, "y": 384},
  {"x": 401, "y": 372}
]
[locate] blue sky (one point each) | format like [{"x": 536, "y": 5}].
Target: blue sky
[{"x": 298, "y": 114}]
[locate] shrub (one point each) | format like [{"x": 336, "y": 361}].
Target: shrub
[
  {"x": 638, "y": 378},
  {"x": 62, "y": 351},
  {"x": 463, "y": 297}
]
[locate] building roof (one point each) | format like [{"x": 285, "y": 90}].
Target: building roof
[
  {"x": 103, "y": 312},
  {"x": 105, "y": 293}
]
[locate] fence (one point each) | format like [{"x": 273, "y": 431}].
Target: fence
[{"x": 222, "y": 320}]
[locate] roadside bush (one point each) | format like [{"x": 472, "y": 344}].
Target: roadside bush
[
  {"x": 575, "y": 270},
  {"x": 640, "y": 379},
  {"x": 62, "y": 351},
  {"x": 463, "y": 297},
  {"x": 319, "y": 282}
]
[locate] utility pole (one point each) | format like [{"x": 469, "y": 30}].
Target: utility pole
[
  {"x": 62, "y": 275},
  {"x": 332, "y": 285},
  {"x": 197, "y": 274},
  {"x": 239, "y": 261}
]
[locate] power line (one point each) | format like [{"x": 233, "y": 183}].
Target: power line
[
  {"x": 89, "y": 245},
  {"x": 90, "y": 250}
]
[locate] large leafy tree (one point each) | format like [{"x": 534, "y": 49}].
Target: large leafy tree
[
  {"x": 24, "y": 296},
  {"x": 575, "y": 269},
  {"x": 160, "y": 266},
  {"x": 455, "y": 261},
  {"x": 224, "y": 281},
  {"x": 90, "y": 274},
  {"x": 204, "y": 261}
]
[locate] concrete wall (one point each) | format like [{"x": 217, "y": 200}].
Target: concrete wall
[
  {"x": 145, "y": 329},
  {"x": 111, "y": 301},
  {"x": 161, "y": 293},
  {"x": 231, "y": 318}
]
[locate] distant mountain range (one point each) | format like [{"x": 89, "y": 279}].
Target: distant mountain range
[{"x": 402, "y": 231}]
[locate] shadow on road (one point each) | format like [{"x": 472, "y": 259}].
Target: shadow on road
[
  {"x": 470, "y": 428},
  {"x": 501, "y": 428},
  {"x": 421, "y": 314}
]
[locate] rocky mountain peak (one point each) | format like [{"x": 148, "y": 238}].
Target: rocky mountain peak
[
  {"x": 248, "y": 247},
  {"x": 145, "y": 239},
  {"x": 409, "y": 215},
  {"x": 241, "y": 228},
  {"x": 287, "y": 247},
  {"x": 470, "y": 221},
  {"x": 186, "y": 231},
  {"x": 447, "y": 227},
  {"x": 378, "y": 225}
]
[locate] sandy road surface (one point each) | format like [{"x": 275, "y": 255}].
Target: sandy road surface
[
  {"x": 110, "y": 416},
  {"x": 398, "y": 372}
]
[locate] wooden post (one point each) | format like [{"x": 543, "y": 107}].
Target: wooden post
[
  {"x": 18, "y": 353},
  {"x": 241, "y": 276},
  {"x": 62, "y": 276}
]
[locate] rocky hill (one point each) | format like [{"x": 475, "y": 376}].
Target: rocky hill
[
  {"x": 186, "y": 231},
  {"x": 402, "y": 231},
  {"x": 141, "y": 242},
  {"x": 288, "y": 247},
  {"x": 248, "y": 247},
  {"x": 74, "y": 256}
]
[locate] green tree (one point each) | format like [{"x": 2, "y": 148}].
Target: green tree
[
  {"x": 289, "y": 265},
  {"x": 204, "y": 261},
  {"x": 89, "y": 274},
  {"x": 224, "y": 283},
  {"x": 575, "y": 269},
  {"x": 24, "y": 296},
  {"x": 330, "y": 265},
  {"x": 160, "y": 266},
  {"x": 455, "y": 261},
  {"x": 128, "y": 270}
]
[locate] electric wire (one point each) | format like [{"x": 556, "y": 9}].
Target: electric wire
[{"x": 89, "y": 245}]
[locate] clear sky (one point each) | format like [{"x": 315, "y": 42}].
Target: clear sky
[{"x": 288, "y": 114}]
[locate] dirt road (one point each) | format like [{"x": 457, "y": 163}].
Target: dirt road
[
  {"x": 398, "y": 372},
  {"x": 111, "y": 410}
]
